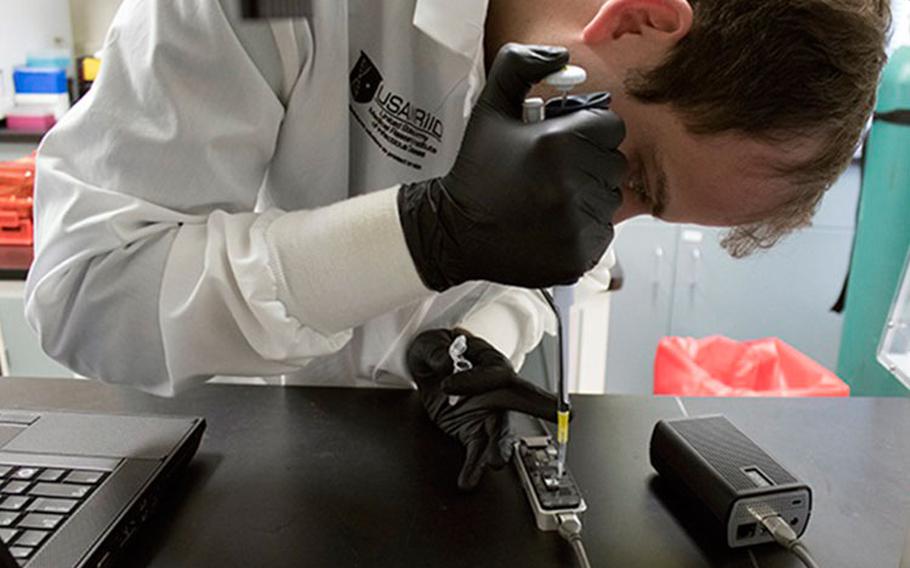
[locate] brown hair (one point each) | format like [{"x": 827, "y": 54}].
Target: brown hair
[{"x": 780, "y": 71}]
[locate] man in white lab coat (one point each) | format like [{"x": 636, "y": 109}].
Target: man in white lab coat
[{"x": 261, "y": 199}]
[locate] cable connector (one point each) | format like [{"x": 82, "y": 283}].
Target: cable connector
[
  {"x": 780, "y": 530},
  {"x": 570, "y": 530},
  {"x": 785, "y": 536},
  {"x": 569, "y": 526}
]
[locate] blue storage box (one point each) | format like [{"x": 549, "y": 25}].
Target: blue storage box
[
  {"x": 48, "y": 60},
  {"x": 35, "y": 80}
]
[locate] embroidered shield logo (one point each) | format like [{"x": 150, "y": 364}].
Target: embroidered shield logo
[{"x": 365, "y": 80}]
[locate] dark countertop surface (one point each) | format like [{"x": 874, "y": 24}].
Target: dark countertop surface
[
  {"x": 20, "y": 136},
  {"x": 356, "y": 477}
]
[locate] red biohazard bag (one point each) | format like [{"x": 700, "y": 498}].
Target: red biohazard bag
[{"x": 719, "y": 366}]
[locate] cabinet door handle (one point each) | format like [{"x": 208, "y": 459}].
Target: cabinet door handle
[
  {"x": 658, "y": 264},
  {"x": 696, "y": 260}
]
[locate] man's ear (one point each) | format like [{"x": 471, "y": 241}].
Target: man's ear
[{"x": 666, "y": 21}]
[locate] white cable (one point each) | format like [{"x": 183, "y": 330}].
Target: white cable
[
  {"x": 570, "y": 530},
  {"x": 785, "y": 536},
  {"x": 582, "y": 556},
  {"x": 682, "y": 407},
  {"x": 799, "y": 549}
]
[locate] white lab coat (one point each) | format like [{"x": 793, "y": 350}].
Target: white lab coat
[{"x": 194, "y": 214}]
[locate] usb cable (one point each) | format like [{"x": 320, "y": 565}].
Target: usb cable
[
  {"x": 786, "y": 537},
  {"x": 570, "y": 530}
]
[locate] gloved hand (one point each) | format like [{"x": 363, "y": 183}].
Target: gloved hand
[
  {"x": 527, "y": 205},
  {"x": 479, "y": 420}
]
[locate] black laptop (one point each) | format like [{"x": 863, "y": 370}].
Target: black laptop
[{"x": 74, "y": 487}]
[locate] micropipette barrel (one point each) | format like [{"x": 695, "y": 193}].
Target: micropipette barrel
[{"x": 533, "y": 111}]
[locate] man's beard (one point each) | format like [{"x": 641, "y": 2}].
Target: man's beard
[
  {"x": 641, "y": 191},
  {"x": 637, "y": 186}
]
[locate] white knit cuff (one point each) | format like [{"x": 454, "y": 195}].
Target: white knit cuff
[
  {"x": 341, "y": 265},
  {"x": 513, "y": 323}
]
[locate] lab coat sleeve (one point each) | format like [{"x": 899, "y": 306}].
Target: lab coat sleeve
[
  {"x": 513, "y": 320},
  {"x": 151, "y": 268}
]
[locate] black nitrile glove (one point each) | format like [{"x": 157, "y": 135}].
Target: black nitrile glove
[
  {"x": 527, "y": 205},
  {"x": 480, "y": 419}
]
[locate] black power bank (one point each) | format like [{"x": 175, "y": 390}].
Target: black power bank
[{"x": 738, "y": 482}]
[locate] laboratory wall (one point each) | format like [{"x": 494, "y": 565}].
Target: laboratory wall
[
  {"x": 78, "y": 26},
  {"x": 30, "y": 25},
  {"x": 91, "y": 19},
  {"x": 901, "y": 32}
]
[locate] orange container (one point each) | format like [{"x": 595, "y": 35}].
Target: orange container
[
  {"x": 17, "y": 185},
  {"x": 16, "y": 221},
  {"x": 18, "y": 177}
]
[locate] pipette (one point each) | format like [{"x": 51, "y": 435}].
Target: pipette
[
  {"x": 567, "y": 79},
  {"x": 534, "y": 110}
]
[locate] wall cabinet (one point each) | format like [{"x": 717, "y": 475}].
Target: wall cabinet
[{"x": 679, "y": 281}]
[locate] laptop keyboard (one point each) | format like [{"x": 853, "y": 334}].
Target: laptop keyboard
[{"x": 36, "y": 501}]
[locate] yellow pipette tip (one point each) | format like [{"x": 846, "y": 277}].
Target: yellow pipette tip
[{"x": 562, "y": 427}]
